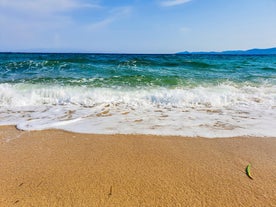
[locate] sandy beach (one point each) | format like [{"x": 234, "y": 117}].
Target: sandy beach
[{"x": 57, "y": 168}]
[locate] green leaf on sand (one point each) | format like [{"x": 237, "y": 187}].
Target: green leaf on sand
[{"x": 247, "y": 170}]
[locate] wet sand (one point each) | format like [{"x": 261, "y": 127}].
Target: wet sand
[{"x": 57, "y": 168}]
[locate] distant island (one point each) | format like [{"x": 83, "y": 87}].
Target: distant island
[{"x": 268, "y": 51}]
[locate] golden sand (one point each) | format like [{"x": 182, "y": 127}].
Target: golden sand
[{"x": 57, "y": 168}]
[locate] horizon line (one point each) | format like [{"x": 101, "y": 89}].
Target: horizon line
[{"x": 129, "y": 53}]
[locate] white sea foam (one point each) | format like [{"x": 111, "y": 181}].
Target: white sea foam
[{"x": 224, "y": 110}]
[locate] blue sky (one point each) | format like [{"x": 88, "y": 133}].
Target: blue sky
[{"x": 136, "y": 26}]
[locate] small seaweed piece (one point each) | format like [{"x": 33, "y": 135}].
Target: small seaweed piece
[
  {"x": 247, "y": 170},
  {"x": 110, "y": 191}
]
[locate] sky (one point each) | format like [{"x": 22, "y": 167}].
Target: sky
[{"x": 136, "y": 26}]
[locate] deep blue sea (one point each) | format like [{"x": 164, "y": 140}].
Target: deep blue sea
[{"x": 187, "y": 95}]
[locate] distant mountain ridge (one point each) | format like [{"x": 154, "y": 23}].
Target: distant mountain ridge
[{"x": 268, "y": 51}]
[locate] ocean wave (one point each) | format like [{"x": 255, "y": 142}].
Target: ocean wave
[
  {"x": 207, "y": 96},
  {"x": 215, "y": 95}
]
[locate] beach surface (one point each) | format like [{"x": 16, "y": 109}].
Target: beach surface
[{"x": 58, "y": 168}]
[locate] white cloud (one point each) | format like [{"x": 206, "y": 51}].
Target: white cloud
[
  {"x": 115, "y": 14},
  {"x": 19, "y": 33},
  {"x": 52, "y": 23},
  {"x": 121, "y": 11},
  {"x": 174, "y": 2},
  {"x": 44, "y": 6},
  {"x": 26, "y": 23}
]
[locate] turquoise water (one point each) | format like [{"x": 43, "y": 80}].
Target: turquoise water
[
  {"x": 135, "y": 70},
  {"x": 191, "y": 95}
]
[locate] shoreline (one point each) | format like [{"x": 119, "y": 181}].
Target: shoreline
[
  {"x": 137, "y": 134},
  {"x": 60, "y": 168}
]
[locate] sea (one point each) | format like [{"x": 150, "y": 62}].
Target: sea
[{"x": 185, "y": 95}]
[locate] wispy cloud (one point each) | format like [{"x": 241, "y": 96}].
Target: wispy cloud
[
  {"x": 45, "y": 6},
  {"x": 53, "y": 23},
  {"x": 115, "y": 14},
  {"x": 36, "y": 21},
  {"x": 169, "y": 3}
]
